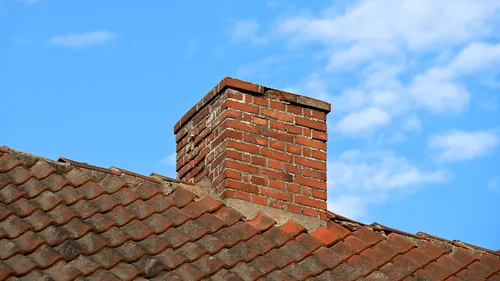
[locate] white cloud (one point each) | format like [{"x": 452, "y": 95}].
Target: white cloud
[
  {"x": 363, "y": 121},
  {"x": 247, "y": 30},
  {"x": 82, "y": 40},
  {"x": 357, "y": 180},
  {"x": 463, "y": 145},
  {"x": 170, "y": 159},
  {"x": 493, "y": 184},
  {"x": 412, "y": 123}
]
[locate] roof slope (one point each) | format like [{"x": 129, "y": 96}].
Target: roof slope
[{"x": 70, "y": 221}]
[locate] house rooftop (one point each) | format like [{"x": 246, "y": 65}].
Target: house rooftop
[{"x": 67, "y": 220}]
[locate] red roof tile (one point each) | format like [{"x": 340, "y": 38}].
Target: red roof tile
[{"x": 71, "y": 221}]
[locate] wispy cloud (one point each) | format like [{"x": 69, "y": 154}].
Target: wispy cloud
[
  {"x": 363, "y": 121},
  {"x": 459, "y": 146},
  {"x": 82, "y": 40},
  {"x": 247, "y": 30},
  {"x": 364, "y": 179}
]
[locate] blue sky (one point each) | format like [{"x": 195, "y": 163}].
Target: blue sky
[{"x": 414, "y": 132}]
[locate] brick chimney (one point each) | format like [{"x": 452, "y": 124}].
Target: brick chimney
[{"x": 257, "y": 144}]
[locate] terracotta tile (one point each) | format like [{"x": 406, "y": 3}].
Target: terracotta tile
[
  {"x": 368, "y": 236},
  {"x": 39, "y": 220},
  {"x": 491, "y": 261},
  {"x": 103, "y": 275},
  {"x": 361, "y": 265},
  {"x": 338, "y": 230},
  {"x": 176, "y": 216},
  {"x": 223, "y": 275},
  {"x": 417, "y": 256},
  {"x": 464, "y": 257},
  {"x": 55, "y": 182},
  {"x": 107, "y": 258},
  {"x": 69, "y": 195},
  {"x": 495, "y": 277},
  {"x": 343, "y": 250},
  {"x": 341, "y": 272},
  {"x": 11, "y": 193},
  {"x": 475, "y": 269},
  {"x": 5, "y": 211},
  {"x": 62, "y": 271},
  {"x": 20, "y": 264},
  {"x": 399, "y": 243},
  {"x": 356, "y": 244},
  {"x": 228, "y": 215},
  {"x": 130, "y": 251},
  {"x": 150, "y": 266},
  {"x": 211, "y": 244},
  {"x": 9, "y": 248},
  {"x": 290, "y": 252},
  {"x": 47, "y": 200},
  {"x": 115, "y": 237},
  {"x": 398, "y": 268},
  {"x": 100, "y": 223},
  {"x": 104, "y": 203},
  {"x": 35, "y": 275},
  {"x": 120, "y": 215},
  {"x": 153, "y": 245},
  {"x": 264, "y": 264},
  {"x": 24, "y": 207},
  {"x": 208, "y": 265},
  {"x": 170, "y": 259},
  {"x": 42, "y": 169},
  {"x": 91, "y": 243},
  {"x": 312, "y": 264},
  {"x": 192, "y": 251},
  {"x": 379, "y": 254},
  {"x": 77, "y": 177},
  {"x": 90, "y": 190},
  {"x": 5, "y": 271},
  {"x": 84, "y": 209},
  {"x": 16, "y": 176},
  {"x": 279, "y": 275},
  {"x": 125, "y": 271},
  {"x": 14, "y": 226},
  {"x": 146, "y": 190},
  {"x": 328, "y": 257},
  {"x": 125, "y": 196},
  {"x": 85, "y": 264},
  {"x": 137, "y": 229},
  {"x": 432, "y": 250},
  {"x": 27, "y": 242},
  {"x": 160, "y": 203},
  {"x": 308, "y": 242},
  {"x": 112, "y": 183},
  {"x": 432, "y": 272},
  {"x": 262, "y": 222},
  {"x": 32, "y": 188},
  {"x": 141, "y": 209},
  {"x": 8, "y": 162},
  {"x": 246, "y": 272},
  {"x": 295, "y": 271},
  {"x": 377, "y": 276},
  {"x": 166, "y": 276},
  {"x": 293, "y": 228},
  {"x": 449, "y": 263},
  {"x": 62, "y": 214},
  {"x": 181, "y": 197},
  {"x": 158, "y": 223}
]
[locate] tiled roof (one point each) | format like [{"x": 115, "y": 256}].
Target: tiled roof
[{"x": 70, "y": 221}]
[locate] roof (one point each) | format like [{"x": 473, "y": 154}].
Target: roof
[{"x": 65, "y": 220}]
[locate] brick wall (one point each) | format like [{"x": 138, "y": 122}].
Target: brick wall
[{"x": 257, "y": 144}]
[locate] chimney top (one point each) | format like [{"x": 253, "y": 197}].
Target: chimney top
[
  {"x": 248, "y": 142},
  {"x": 245, "y": 86}
]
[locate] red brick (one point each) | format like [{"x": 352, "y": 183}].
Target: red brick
[
  {"x": 225, "y": 135},
  {"x": 277, "y": 135},
  {"x": 273, "y": 174},
  {"x": 292, "y": 129},
  {"x": 294, "y": 109},
  {"x": 258, "y": 161},
  {"x": 277, "y": 115},
  {"x": 241, "y": 167},
  {"x": 259, "y": 121},
  {"x": 277, "y": 184},
  {"x": 261, "y": 141},
  {"x": 250, "y": 148},
  {"x": 277, "y": 105},
  {"x": 318, "y": 115},
  {"x": 276, "y": 194},
  {"x": 233, "y": 174},
  {"x": 260, "y": 101},
  {"x": 257, "y": 199},
  {"x": 241, "y": 186},
  {"x": 310, "y": 163},
  {"x": 310, "y": 143},
  {"x": 274, "y": 164},
  {"x": 276, "y": 155},
  {"x": 235, "y": 95},
  {"x": 293, "y": 149},
  {"x": 259, "y": 181},
  {"x": 277, "y": 125},
  {"x": 310, "y": 202},
  {"x": 293, "y": 188},
  {"x": 276, "y": 204},
  {"x": 310, "y": 182},
  {"x": 237, "y": 194},
  {"x": 310, "y": 212},
  {"x": 319, "y": 194},
  {"x": 294, "y": 208},
  {"x": 292, "y": 169},
  {"x": 243, "y": 106},
  {"x": 277, "y": 144},
  {"x": 319, "y": 155},
  {"x": 320, "y": 135},
  {"x": 238, "y": 125}
]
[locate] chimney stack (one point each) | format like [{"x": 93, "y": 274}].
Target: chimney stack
[{"x": 257, "y": 144}]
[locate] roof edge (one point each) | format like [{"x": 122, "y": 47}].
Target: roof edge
[{"x": 245, "y": 86}]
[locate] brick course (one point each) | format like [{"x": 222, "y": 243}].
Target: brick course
[{"x": 258, "y": 145}]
